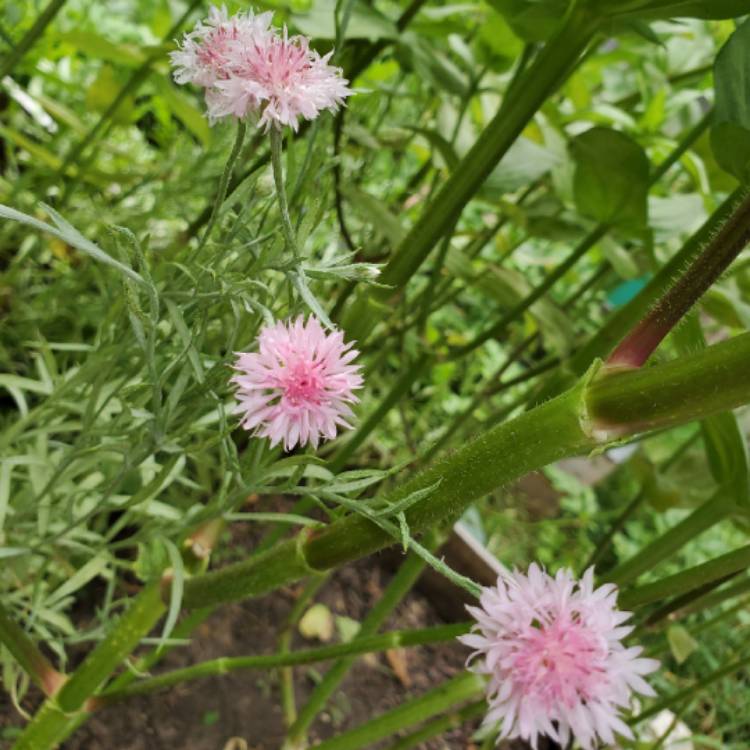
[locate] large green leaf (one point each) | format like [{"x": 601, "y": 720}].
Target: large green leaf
[
  {"x": 730, "y": 135},
  {"x": 532, "y": 20},
  {"x": 652, "y": 9},
  {"x": 611, "y": 178}
]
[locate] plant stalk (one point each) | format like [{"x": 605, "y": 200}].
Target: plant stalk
[
  {"x": 277, "y": 146},
  {"x": 51, "y": 723},
  {"x": 462, "y": 688},
  {"x": 29, "y": 657},
  {"x": 221, "y": 193},
  {"x": 588, "y": 416},
  {"x": 401, "y": 584},
  {"x": 635, "y": 349},
  {"x": 225, "y": 665}
]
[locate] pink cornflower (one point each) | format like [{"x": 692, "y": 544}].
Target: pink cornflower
[
  {"x": 298, "y": 386},
  {"x": 552, "y": 648},
  {"x": 249, "y": 69}
]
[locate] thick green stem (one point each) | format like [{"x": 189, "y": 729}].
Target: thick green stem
[
  {"x": 31, "y": 36},
  {"x": 221, "y": 193},
  {"x": 538, "y": 82},
  {"x": 462, "y": 688},
  {"x": 31, "y": 659},
  {"x": 51, "y": 723},
  {"x": 723, "y": 248},
  {"x": 357, "y": 647},
  {"x": 401, "y": 584},
  {"x": 277, "y": 150},
  {"x": 630, "y": 401},
  {"x": 589, "y": 415}
]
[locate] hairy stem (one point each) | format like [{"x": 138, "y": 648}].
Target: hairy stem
[
  {"x": 592, "y": 413},
  {"x": 723, "y": 248}
]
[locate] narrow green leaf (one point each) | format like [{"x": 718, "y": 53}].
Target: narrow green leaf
[
  {"x": 70, "y": 235},
  {"x": 730, "y": 134}
]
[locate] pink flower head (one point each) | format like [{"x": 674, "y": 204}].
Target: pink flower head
[
  {"x": 298, "y": 385},
  {"x": 552, "y": 648},
  {"x": 248, "y": 68}
]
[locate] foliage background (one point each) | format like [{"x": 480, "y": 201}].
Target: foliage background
[{"x": 117, "y": 435}]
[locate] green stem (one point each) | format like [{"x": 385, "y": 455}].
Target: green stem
[
  {"x": 30, "y": 658},
  {"x": 688, "y": 580},
  {"x": 622, "y": 519},
  {"x": 537, "y": 83},
  {"x": 221, "y": 193},
  {"x": 138, "y": 76},
  {"x": 277, "y": 145},
  {"x": 584, "y": 246},
  {"x": 713, "y": 511},
  {"x": 52, "y": 722},
  {"x": 288, "y": 701},
  {"x": 397, "y": 589},
  {"x": 497, "y": 329},
  {"x": 225, "y": 665},
  {"x": 462, "y": 688},
  {"x": 691, "y": 691},
  {"x": 713, "y": 599},
  {"x": 625, "y": 402},
  {"x": 409, "y": 376},
  {"x": 723, "y": 248},
  {"x": 30, "y": 37},
  {"x": 587, "y": 416},
  {"x": 439, "y": 726}
]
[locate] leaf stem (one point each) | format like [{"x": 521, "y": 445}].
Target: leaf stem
[
  {"x": 223, "y": 182},
  {"x": 290, "y": 240},
  {"x": 224, "y": 665}
]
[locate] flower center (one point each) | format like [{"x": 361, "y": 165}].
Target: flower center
[
  {"x": 561, "y": 662},
  {"x": 302, "y": 385}
]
